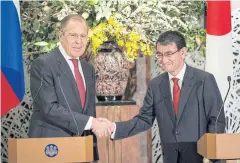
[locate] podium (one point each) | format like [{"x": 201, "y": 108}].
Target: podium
[
  {"x": 50, "y": 150},
  {"x": 219, "y": 146}
]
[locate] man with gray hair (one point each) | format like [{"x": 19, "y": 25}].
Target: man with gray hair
[{"x": 64, "y": 87}]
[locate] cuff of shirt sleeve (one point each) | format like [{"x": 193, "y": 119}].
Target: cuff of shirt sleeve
[
  {"x": 89, "y": 124},
  {"x": 113, "y": 134}
]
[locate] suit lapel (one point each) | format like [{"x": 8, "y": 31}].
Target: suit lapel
[
  {"x": 166, "y": 92},
  {"x": 64, "y": 67},
  {"x": 187, "y": 85},
  {"x": 87, "y": 79}
]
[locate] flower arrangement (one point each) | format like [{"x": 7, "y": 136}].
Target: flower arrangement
[{"x": 129, "y": 41}]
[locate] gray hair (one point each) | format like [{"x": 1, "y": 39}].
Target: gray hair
[{"x": 65, "y": 20}]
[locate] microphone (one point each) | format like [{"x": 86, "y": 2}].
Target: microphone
[
  {"x": 58, "y": 76},
  {"x": 229, "y": 86},
  {"x": 31, "y": 104}
]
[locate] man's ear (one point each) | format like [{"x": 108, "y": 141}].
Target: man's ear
[
  {"x": 60, "y": 35},
  {"x": 184, "y": 51}
]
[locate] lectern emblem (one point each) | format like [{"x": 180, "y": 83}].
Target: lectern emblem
[{"x": 51, "y": 150}]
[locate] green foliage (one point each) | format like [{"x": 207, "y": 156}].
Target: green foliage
[{"x": 40, "y": 19}]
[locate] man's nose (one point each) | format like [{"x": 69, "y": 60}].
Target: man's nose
[
  {"x": 164, "y": 59},
  {"x": 78, "y": 40}
]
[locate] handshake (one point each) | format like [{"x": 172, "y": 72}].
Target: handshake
[{"x": 102, "y": 127}]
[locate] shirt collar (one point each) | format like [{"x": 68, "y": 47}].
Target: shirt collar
[
  {"x": 67, "y": 57},
  {"x": 180, "y": 75}
]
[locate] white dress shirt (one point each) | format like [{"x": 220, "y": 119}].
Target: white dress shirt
[
  {"x": 180, "y": 76},
  {"x": 70, "y": 63}
]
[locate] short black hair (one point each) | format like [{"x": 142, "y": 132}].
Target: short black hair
[
  {"x": 169, "y": 37},
  {"x": 66, "y": 19}
]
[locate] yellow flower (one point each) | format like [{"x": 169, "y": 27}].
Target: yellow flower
[
  {"x": 112, "y": 30},
  {"x": 112, "y": 21},
  {"x": 120, "y": 42}
]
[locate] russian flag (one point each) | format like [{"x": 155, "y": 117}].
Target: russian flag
[
  {"x": 219, "y": 60},
  {"x": 12, "y": 77}
]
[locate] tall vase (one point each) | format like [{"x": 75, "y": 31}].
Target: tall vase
[{"x": 112, "y": 71}]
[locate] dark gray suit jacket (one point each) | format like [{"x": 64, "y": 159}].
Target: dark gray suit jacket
[
  {"x": 52, "y": 76},
  {"x": 200, "y": 102}
]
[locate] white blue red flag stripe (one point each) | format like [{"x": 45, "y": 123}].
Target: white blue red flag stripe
[{"x": 12, "y": 77}]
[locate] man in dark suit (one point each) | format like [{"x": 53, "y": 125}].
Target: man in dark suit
[
  {"x": 64, "y": 87},
  {"x": 185, "y": 101}
]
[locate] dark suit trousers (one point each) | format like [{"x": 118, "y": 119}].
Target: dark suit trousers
[
  {"x": 187, "y": 153},
  {"x": 95, "y": 150},
  {"x": 180, "y": 159},
  {"x": 182, "y": 152}
]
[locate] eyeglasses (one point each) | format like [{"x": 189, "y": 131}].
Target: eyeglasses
[
  {"x": 75, "y": 36},
  {"x": 167, "y": 55}
]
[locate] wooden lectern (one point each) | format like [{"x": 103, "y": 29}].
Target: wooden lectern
[
  {"x": 219, "y": 146},
  {"x": 50, "y": 150}
]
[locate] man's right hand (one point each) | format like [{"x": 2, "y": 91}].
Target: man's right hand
[{"x": 102, "y": 127}]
